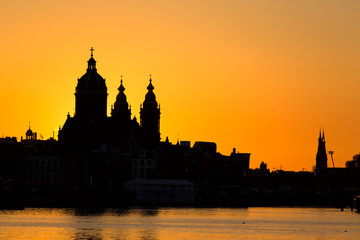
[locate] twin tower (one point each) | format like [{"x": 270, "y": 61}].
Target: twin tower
[{"x": 91, "y": 126}]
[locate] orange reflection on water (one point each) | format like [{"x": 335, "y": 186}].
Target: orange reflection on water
[{"x": 170, "y": 223}]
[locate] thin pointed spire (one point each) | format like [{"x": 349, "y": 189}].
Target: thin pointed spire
[
  {"x": 91, "y": 62},
  {"x": 121, "y": 88},
  {"x": 150, "y": 87}
]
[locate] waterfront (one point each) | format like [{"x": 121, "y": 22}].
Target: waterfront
[{"x": 180, "y": 223}]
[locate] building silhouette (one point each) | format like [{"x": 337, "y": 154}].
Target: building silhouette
[
  {"x": 101, "y": 159},
  {"x": 321, "y": 155},
  {"x": 90, "y": 123},
  {"x": 150, "y": 117}
]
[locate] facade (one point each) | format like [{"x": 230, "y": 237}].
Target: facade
[
  {"x": 163, "y": 191},
  {"x": 144, "y": 164}
]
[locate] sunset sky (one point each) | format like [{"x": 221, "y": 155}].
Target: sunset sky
[{"x": 260, "y": 76}]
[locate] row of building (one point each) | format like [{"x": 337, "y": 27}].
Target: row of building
[
  {"x": 118, "y": 160},
  {"x": 116, "y": 156}
]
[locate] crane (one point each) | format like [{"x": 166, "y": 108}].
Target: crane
[{"x": 332, "y": 159}]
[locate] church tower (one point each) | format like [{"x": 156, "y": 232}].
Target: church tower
[
  {"x": 321, "y": 156},
  {"x": 88, "y": 125},
  {"x": 91, "y": 94},
  {"x": 150, "y": 117},
  {"x": 121, "y": 111},
  {"x": 120, "y": 117}
]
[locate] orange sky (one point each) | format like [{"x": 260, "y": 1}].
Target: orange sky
[{"x": 260, "y": 76}]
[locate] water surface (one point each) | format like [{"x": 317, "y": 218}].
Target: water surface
[{"x": 180, "y": 223}]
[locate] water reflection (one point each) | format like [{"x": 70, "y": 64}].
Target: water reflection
[
  {"x": 171, "y": 223},
  {"x": 93, "y": 234},
  {"x": 87, "y": 211},
  {"x": 149, "y": 212},
  {"x": 149, "y": 235},
  {"x": 109, "y": 211},
  {"x": 104, "y": 226},
  {"x": 118, "y": 211}
]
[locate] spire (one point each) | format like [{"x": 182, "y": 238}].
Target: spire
[
  {"x": 121, "y": 106},
  {"x": 321, "y": 155},
  {"x": 150, "y": 87},
  {"x": 121, "y": 96},
  {"x": 322, "y": 134},
  {"x": 121, "y": 88},
  {"x": 91, "y": 62},
  {"x": 150, "y": 116},
  {"x": 150, "y": 96}
]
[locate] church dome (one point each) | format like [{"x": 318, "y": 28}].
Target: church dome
[
  {"x": 150, "y": 97},
  {"x": 121, "y": 97},
  {"x": 29, "y": 133},
  {"x": 91, "y": 80},
  {"x": 121, "y": 102}
]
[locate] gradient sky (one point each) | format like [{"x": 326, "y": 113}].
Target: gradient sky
[{"x": 260, "y": 76}]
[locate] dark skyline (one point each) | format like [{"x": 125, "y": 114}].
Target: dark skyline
[{"x": 263, "y": 76}]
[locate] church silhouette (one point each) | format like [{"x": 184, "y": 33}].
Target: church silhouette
[
  {"x": 91, "y": 125},
  {"x": 321, "y": 155},
  {"x": 102, "y": 160},
  {"x": 118, "y": 161}
]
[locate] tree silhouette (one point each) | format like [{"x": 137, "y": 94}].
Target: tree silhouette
[{"x": 355, "y": 162}]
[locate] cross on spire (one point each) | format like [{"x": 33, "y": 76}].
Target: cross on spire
[
  {"x": 121, "y": 88},
  {"x": 92, "y": 51}
]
